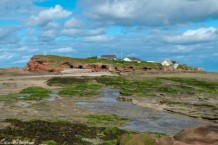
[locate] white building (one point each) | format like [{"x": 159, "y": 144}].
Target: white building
[
  {"x": 127, "y": 59},
  {"x": 175, "y": 66},
  {"x": 132, "y": 59},
  {"x": 167, "y": 62},
  {"x": 151, "y": 61}
]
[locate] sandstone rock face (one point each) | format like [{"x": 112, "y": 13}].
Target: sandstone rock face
[
  {"x": 49, "y": 65},
  {"x": 36, "y": 66},
  {"x": 207, "y": 135}
]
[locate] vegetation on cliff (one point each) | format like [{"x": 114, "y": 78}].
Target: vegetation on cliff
[
  {"x": 61, "y": 59},
  {"x": 52, "y": 63}
]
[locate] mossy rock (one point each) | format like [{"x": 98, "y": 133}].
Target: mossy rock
[
  {"x": 137, "y": 139},
  {"x": 58, "y": 132},
  {"x": 35, "y": 93}
]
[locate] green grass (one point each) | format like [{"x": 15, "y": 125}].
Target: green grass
[
  {"x": 57, "y": 81},
  {"x": 35, "y": 93},
  {"x": 110, "y": 142},
  {"x": 35, "y": 90},
  {"x": 80, "y": 87},
  {"x": 149, "y": 141},
  {"x": 184, "y": 66},
  {"x": 8, "y": 98},
  {"x": 129, "y": 87},
  {"x": 148, "y": 88},
  {"x": 81, "y": 90},
  {"x": 90, "y": 86},
  {"x": 50, "y": 143},
  {"x": 138, "y": 138},
  {"x": 194, "y": 84},
  {"x": 105, "y": 120}
]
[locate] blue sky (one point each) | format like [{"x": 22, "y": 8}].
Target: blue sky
[{"x": 183, "y": 30}]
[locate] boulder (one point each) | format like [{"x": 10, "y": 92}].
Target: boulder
[{"x": 206, "y": 135}]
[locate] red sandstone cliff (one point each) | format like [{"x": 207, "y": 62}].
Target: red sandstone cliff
[{"x": 58, "y": 64}]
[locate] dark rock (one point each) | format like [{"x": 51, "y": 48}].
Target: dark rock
[{"x": 124, "y": 99}]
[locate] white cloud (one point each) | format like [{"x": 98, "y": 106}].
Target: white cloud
[
  {"x": 176, "y": 49},
  {"x": 24, "y": 59},
  {"x": 215, "y": 54},
  {"x": 150, "y": 12},
  {"x": 8, "y": 35},
  {"x": 26, "y": 49},
  {"x": 96, "y": 31},
  {"x": 6, "y": 56},
  {"x": 49, "y": 33},
  {"x": 73, "y": 23},
  {"x": 52, "y": 25},
  {"x": 17, "y": 9},
  {"x": 72, "y": 32},
  {"x": 45, "y": 16},
  {"x": 64, "y": 50},
  {"x": 201, "y": 35},
  {"x": 97, "y": 38}
]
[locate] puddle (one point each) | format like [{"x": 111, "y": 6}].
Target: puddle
[
  {"x": 25, "y": 105},
  {"x": 110, "y": 96},
  {"x": 111, "y": 100},
  {"x": 143, "y": 119},
  {"x": 53, "y": 96},
  {"x": 83, "y": 103},
  {"x": 24, "y": 96},
  {"x": 52, "y": 99}
]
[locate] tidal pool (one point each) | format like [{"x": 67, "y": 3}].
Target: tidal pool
[{"x": 143, "y": 119}]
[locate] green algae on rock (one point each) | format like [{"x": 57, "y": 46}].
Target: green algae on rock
[
  {"x": 105, "y": 120},
  {"x": 35, "y": 93},
  {"x": 59, "y": 132}
]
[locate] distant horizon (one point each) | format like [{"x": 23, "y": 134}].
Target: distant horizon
[
  {"x": 24, "y": 64},
  {"x": 150, "y": 30}
]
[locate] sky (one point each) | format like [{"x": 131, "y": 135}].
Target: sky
[{"x": 183, "y": 30}]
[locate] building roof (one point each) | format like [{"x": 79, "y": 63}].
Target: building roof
[
  {"x": 109, "y": 56},
  {"x": 134, "y": 59}
]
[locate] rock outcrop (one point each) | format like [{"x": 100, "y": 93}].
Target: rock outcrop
[
  {"x": 207, "y": 135},
  {"x": 36, "y": 64},
  {"x": 58, "y": 64}
]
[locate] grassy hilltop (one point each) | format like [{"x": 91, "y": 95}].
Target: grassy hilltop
[{"x": 61, "y": 59}]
